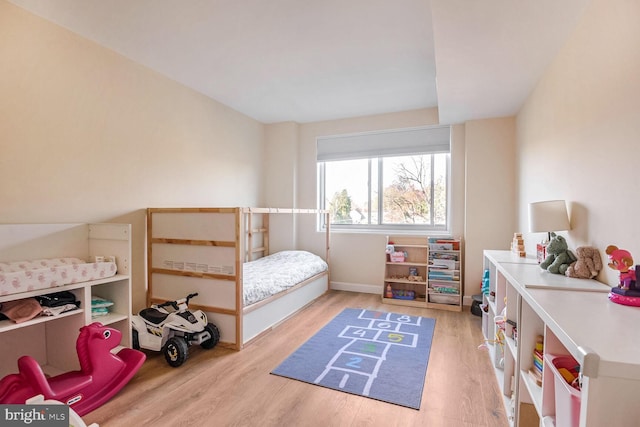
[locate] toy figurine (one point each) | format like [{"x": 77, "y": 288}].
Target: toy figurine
[
  {"x": 626, "y": 293},
  {"x": 622, "y": 261}
]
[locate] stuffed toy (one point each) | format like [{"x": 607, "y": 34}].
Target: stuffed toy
[
  {"x": 588, "y": 264},
  {"x": 622, "y": 261},
  {"x": 559, "y": 256}
]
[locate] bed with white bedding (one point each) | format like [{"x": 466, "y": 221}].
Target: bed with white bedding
[
  {"x": 246, "y": 265},
  {"x": 278, "y": 272}
]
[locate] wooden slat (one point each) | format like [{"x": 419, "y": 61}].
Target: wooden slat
[
  {"x": 283, "y": 210},
  {"x": 260, "y": 249},
  {"x": 191, "y": 210},
  {"x": 233, "y": 210},
  {"x": 192, "y": 306},
  {"x": 198, "y": 274},
  {"x": 149, "y": 256},
  {"x": 249, "y": 232},
  {"x": 191, "y": 242},
  {"x": 239, "y": 292},
  {"x": 212, "y": 309},
  {"x": 265, "y": 236}
]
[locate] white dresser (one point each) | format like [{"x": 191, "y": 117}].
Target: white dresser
[{"x": 574, "y": 317}]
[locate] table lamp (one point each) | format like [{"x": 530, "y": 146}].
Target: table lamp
[{"x": 547, "y": 216}]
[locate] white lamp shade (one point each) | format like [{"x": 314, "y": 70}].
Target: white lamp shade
[{"x": 548, "y": 216}]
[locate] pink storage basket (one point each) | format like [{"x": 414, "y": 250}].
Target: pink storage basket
[
  {"x": 397, "y": 257},
  {"x": 567, "y": 397}
]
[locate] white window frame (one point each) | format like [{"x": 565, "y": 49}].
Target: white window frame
[{"x": 374, "y": 145}]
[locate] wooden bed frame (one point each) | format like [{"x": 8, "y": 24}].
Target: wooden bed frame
[{"x": 203, "y": 249}]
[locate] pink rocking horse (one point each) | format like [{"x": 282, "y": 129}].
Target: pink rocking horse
[{"x": 102, "y": 374}]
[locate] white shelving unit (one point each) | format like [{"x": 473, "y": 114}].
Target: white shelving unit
[
  {"x": 502, "y": 346},
  {"x": 51, "y": 340},
  {"x": 574, "y": 317},
  {"x": 435, "y": 267}
]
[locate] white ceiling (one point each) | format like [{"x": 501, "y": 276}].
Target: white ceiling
[{"x": 312, "y": 60}]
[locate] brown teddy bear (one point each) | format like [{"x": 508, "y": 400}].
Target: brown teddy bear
[{"x": 588, "y": 264}]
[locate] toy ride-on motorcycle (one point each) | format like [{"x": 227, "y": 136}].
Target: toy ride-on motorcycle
[{"x": 171, "y": 327}]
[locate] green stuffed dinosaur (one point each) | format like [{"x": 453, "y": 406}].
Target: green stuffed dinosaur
[{"x": 559, "y": 257}]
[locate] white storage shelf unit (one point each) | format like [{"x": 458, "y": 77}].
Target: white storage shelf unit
[
  {"x": 575, "y": 318},
  {"x": 51, "y": 340}
]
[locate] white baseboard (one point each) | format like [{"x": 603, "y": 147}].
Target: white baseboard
[
  {"x": 356, "y": 287},
  {"x": 364, "y": 288}
]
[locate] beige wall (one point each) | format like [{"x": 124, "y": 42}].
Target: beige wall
[
  {"x": 578, "y": 133},
  {"x": 280, "y": 158},
  {"x": 88, "y": 136},
  {"x": 490, "y": 192}
]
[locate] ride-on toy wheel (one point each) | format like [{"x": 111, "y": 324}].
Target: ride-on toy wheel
[
  {"x": 176, "y": 351},
  {"x": 215, "y": 336},
  {"x": 135, "y": 341}
]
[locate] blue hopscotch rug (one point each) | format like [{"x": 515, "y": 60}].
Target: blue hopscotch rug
[{"x": 375, "y": 354}]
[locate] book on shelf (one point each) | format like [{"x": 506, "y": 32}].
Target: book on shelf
[
  {"x": 445, "y": 290},
  {"x": 537, "y": 365},
  {"x": 443, "y": 275},
  {"x": 537, "y": 360},
  {"x": 443, "y": 255},
  {"x": 446, "y": 264},
  {"x": 447, "y": 244},
  {"x": 440, "y": 246}
]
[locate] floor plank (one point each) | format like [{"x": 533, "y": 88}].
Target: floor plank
[{"x": 222, "y": 387}]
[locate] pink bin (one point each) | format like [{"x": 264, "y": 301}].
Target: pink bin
[
  {"x": 567, "y": 397},
  {"x": 397, "y": 257}
]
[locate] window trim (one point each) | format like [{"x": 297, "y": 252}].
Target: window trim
[{"x": 385, "y": 227}]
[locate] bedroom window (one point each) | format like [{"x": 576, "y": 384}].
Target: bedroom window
[{"x": 390, "y": 180}]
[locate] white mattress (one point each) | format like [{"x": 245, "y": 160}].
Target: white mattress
[
  {"x": 23, "y": 276},
  {"x": 275, "y": 273}
]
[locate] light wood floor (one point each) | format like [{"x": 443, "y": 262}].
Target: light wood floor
[{"x": 222, "y": 387}]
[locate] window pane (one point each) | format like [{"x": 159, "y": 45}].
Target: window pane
[
  {"x": 440, "y": 189},
  {"x": 407, "y": 190},
  {"x": 347, "y": 190}
]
